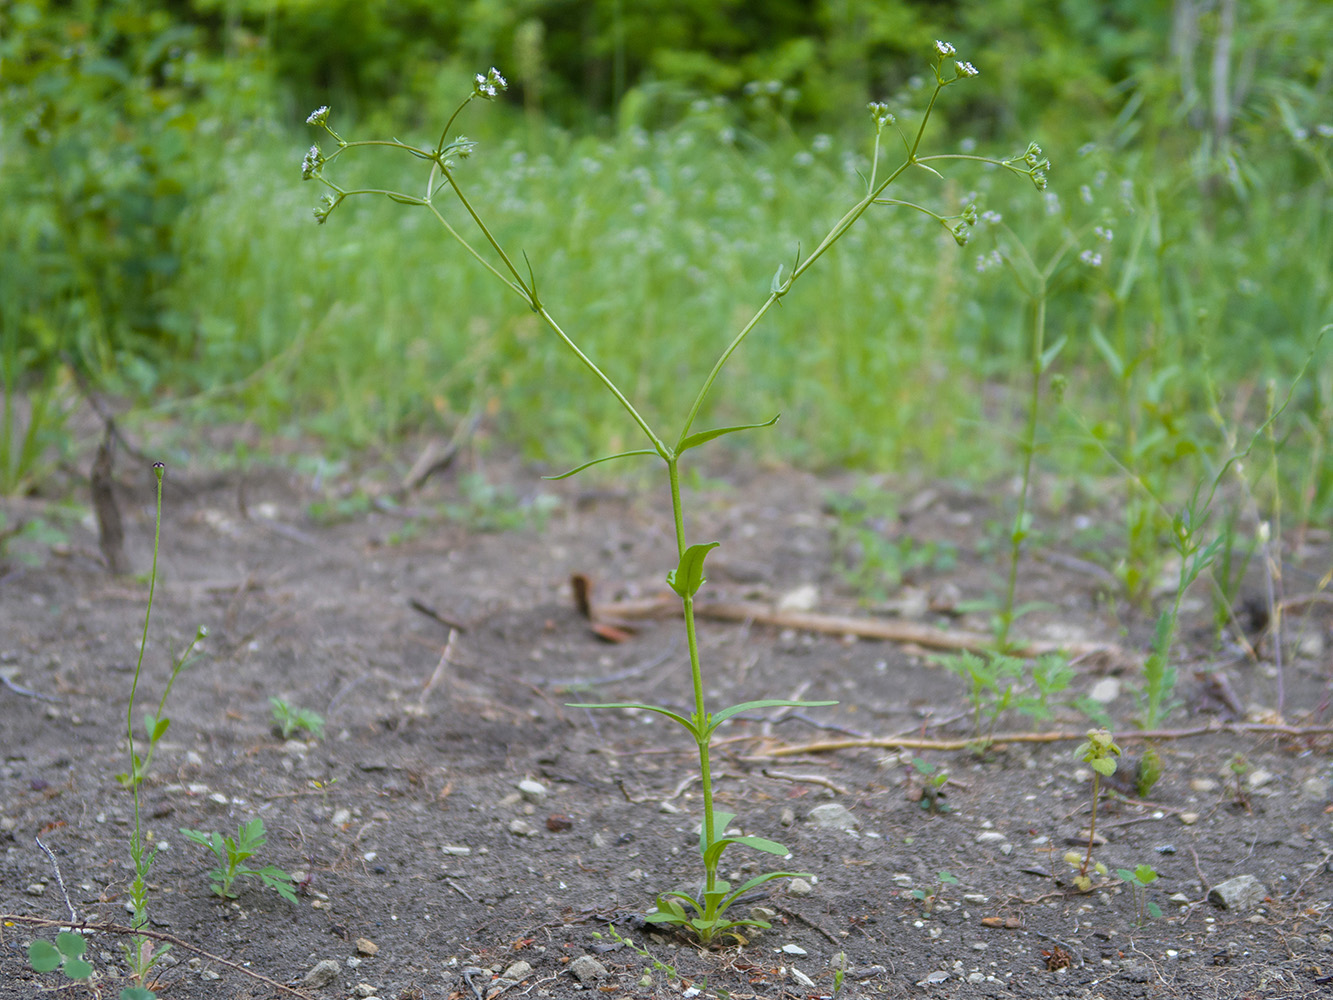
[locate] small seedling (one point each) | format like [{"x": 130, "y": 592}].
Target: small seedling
[
  {"x": 1150, "y": 769},
  {"x": 929, "y": 897},
  {"x": 1139, "y": 879},
  {"x": 933, "y": 780},
  {"x": 1239, "y": 766},
  {"x": 232, "y": 855},
  {"x": 668, "y": 970},
  {"x": 289, "y": 720},
  {"x": 1100, "y": 753}
]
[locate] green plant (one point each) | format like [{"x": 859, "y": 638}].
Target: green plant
[
  {"x": 139, "y": 950},
  {"x": 869, "y": 555},
  {"x": 232, "y": 854},
  {"x": 1100, "y": 753},
  {"x": 929, "y": 897},
  {"x": 289, "y": 720},
  {"x": 1239, "y": 766},
  {"x": 1139, "y": 879},
  {"x": 933, "y": 780},
  {"x": 706, "y": 914},
  {"x": 668, "y": 970},
  {"x": 66, "y": 955},
  {"x": 997, "y": 682}
]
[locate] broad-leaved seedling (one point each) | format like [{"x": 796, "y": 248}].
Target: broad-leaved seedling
[{"x": 704, "y": 913}]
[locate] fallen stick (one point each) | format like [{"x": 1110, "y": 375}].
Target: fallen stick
[
  {"x": 171, "y": 939},
  {"x": 911, "y": 743},
  {"x": 868, "y": 628}
]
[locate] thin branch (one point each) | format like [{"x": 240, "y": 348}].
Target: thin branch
[
  {"x": 170, "y": 939},
  {"x": 1058, "y": 736}
]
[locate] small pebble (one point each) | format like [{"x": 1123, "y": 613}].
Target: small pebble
[
  {"x": 365, "y": 946},
  {"x": 322, "y": 974}
]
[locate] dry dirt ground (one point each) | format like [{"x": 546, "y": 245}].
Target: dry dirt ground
[{"x": 425, "y": 872}]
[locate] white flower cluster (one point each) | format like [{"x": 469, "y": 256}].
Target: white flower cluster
[
  {"x": 965, "y": 69},
  {"x": 944, "y": 49},
  {"x": 314, "y": 159},
  {"x": 880, "y": 112},
  {"x": 488, "y": 86},
  {"x": 1091, "y": 257},
  {"x": 1103, "y": 233},
  {"x": 319, "y": 116}
]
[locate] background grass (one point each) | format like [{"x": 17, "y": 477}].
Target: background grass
[{"x": 900, "y": 351}]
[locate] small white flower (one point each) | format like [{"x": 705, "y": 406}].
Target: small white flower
[
  {"x": 944, "y": 48},
  {"x": 1324, "y": 130},
  {"x": 1085, "y": 193},
  {"x": 313, "y": 159},
  {"x": 966, "y": 69},
  {"x": 822, "y": 142},
  {"x": 1103, "y": 233},
  {"x": 991, "y": 216},
  {"x": 319, "y": 116},
  {"x": 1091, "y": 258}
]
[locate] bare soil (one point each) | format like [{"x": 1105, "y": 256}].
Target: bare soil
[{"x": 425, "y": 872}]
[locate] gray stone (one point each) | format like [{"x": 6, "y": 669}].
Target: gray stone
[
  {"x": 832, "y": 816},
  {"x": 364, "y": 990},
  {"x": 517, "y": 971},
  {"x": 1315, "y": 789},
  {"x": 991, "y": 837},
  {"x": 585, "y": 969},
  {"x": 322, "y": 974},
  {"x": 1239, "y": 893},
  {"x": 1105, "y": 690},
  {"x": 799, "y": 887},
  {"x": 522, "y": 828},
  {"x": 533, "y": 791}
]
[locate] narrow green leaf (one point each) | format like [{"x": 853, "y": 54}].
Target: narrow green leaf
[
  {"x": 761, "y": 879},
  {"x": 688, "y": 576},
  {"x": 43, "y": 956},
  {"x": 159, "y": 729},
  {"x": 1052, "y": 352},
  {"x": 1154, "y": 911},
  {"x": 630, "y": 704},
  {"x": 716, "y": 719},
  {"x": 762, "y": 844},
  {"x": 720, "y": 823},
  {"x": 599, "y": 461},
  {"x": 404, "y": 199},
  {"x": 1108, "y": 353},
  {"x": 694, "y": 440},
  {"x": 776, "y": 286}
]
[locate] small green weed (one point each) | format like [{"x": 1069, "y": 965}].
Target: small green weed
[
  {"x": 668, "y": 970},
  {"x": 290, "y": 720},
  {"x": 933, "y": 779},
  {"x": 66, "y": 955},
  {"x": 997, "y": 682},
  {"x": 1138, "y": 880},
  {"x": 870, "y": 555},
  {"x": 232, "y": 854},
  {"x": 929, "y": 897},
  {"x": 1100, "y": 753}
]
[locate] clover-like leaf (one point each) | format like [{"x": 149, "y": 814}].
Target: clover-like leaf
[{"x": 43, "y": 956}]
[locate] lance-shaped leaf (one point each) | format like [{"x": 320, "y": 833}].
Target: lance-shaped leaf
[
  {"x": 688, "y": 577},
  {"x": 1052, "y": 352},
  {"x": 720, "y": 821},
  {"x": 599, "y": 461},
  {"x": 715, "y": 720},
  {"x": 694, "y": 440},
  {"x": 632, "y": 704}
]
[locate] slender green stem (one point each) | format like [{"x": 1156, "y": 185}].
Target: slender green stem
[
  {"x": 1029, "y": 446},
  {"x": 1092, "y": 823},
  {"x": 702, "y": 734},
  {"x": 658, "y": 446}
]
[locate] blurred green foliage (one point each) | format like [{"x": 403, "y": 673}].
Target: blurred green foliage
[{"x": 154, "y": 235}]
